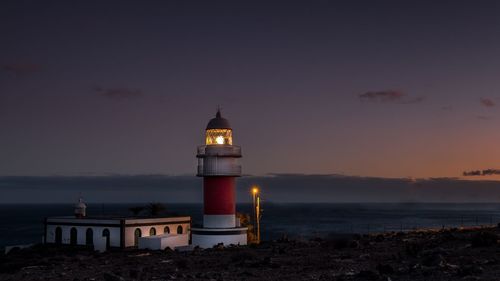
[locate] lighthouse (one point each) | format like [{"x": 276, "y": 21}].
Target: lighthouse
[{"x": 219, "y": 165}]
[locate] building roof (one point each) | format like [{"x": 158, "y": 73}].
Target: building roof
[
  {"x": 115, "y": 221},
  {"x": 218, "y": 122}
]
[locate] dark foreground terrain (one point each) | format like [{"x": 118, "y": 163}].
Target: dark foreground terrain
[{"x": 471, "y": 254}]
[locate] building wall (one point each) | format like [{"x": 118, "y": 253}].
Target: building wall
[
  {"x": 163, "y": 241},
  {"x": 130, "y": 231},
  {"x": 81, "y": 234},
  {"x": 115, "y": 227},
  {"x": 208, "y": 241}
]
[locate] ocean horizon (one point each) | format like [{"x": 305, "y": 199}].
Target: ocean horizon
[{"x": 23, "y": 223}]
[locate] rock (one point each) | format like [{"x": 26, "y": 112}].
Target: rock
[
  {"x": 182, "y": 263},
  {"x": 364, "y": 256},
  {"x": 367, "y": 275},
  {"x": 219, "y": 246},
  {"x": 379, "y": 238},
  {"x": 413, "y": 248},
  {"x": 354, "y": 244},
  {"x": 469, "y": 269},
  {"x": 432, "y": 259},
  {"x": 111, "y": 277},
  {"x": 134, "y": 273},
  {"x": 484, "y": 239},
  {"x": 385, "y": 269},
  {"x": 471, "y": 278}
]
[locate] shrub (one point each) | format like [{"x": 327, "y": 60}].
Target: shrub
[
  {"x": 484, "y": 239},
  {"x": 413, "y": 249}
]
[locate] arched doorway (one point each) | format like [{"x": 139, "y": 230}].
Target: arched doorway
[
  {"x": 105, "y": 233},
  {"x": 73, "y": 236},
  {"x": 137, "y": 234},
  {"x": 152, "y": 231},
  {"x": 166, "y": 230},
  {"x": 179, "y": 229},
  {"x": 58, "y": 236},
  {"x": 89, "y": 237}
]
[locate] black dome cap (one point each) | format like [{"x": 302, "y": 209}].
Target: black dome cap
[{"x": 218, "y": 122}]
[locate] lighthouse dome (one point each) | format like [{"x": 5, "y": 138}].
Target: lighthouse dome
[
  {"x": 218, "y": 122},
  {"x": 218, "y": 131}
]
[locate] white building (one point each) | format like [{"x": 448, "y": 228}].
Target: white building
[{"x": 119, "y": 232}]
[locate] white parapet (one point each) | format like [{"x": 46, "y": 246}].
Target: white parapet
[
  {"x": 160, "y": 242},
  {"x": 209, "y": 237},
  {"x": 219, "y": 221},
  {"x": 100, "y": 244}
]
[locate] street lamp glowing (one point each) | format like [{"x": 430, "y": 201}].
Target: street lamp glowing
[{"x": 256, "y": 212}]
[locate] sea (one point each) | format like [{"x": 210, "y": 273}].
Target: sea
[{"x": 23, "y": 223}]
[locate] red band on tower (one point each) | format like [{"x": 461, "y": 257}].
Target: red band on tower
[{"x": 219, "y": 195}]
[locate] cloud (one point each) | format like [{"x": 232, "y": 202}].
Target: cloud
[
  {"x": 119, "y": 93},
  {"x": 390, "y": 96},
  {"x": 487, "y": 102},
  {"x": 413, "y": 100},
  {"x": 487, "y": 172},
  {"x": 20, "y": 69},
  {"x": 483, "y": 117}
]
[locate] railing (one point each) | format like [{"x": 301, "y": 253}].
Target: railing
[
  {"x": 219, "y": 150},
  {"x": 234, "y": 170}
]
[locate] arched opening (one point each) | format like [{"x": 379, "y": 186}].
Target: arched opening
[
  {"x": 152, "y": 231},
  {"x": 179, "y": 229},
  {"x": 105, "y": 233},
  {"x": 166, "y": 230},
  {"x": 137, "y": 234},
  {"x": 73, "y": 236},
  {"x": 58, "y": 236},
  {"x": 89, "y": 237}
]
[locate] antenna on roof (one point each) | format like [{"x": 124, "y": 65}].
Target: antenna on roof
[{"x": 218, "y": 115}]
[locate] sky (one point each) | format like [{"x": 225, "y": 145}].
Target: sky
[{"x": 384, "y": 89}]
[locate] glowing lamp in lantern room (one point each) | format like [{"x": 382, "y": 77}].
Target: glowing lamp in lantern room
[{"x": 219, "y": 136}]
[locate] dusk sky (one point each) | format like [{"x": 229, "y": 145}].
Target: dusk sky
[{"x": 358, "y": 88}]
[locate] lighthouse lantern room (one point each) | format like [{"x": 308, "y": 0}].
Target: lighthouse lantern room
[{"x": 219, "y": 165}]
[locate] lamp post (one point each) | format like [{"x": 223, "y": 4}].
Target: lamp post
[{"x": 256, "y": 211}]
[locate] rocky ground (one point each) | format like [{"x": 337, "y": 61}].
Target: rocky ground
[{"x": 456, "y": 254}]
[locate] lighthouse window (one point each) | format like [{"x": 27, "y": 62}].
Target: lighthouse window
[
  {"x": 58, "y": 235},
  {"x": 219, "y": 137},
  {"x": 107, "y": 234},
  {"x": 179, "y": 229},
  {"x": 89, "y": 237},
  {"x": 166, "y": 230},
  {"x": 152, "y": 231},
  {"x": 137, "y": 234},
  {"x": 73, "y": 236}
]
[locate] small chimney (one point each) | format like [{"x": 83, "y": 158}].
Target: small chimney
[{"x": 80, "y": 209}]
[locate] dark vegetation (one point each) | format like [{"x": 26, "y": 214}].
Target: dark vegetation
[
  {"x": 450, "y": 254},
  {"x": 152, "y": 209}
]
